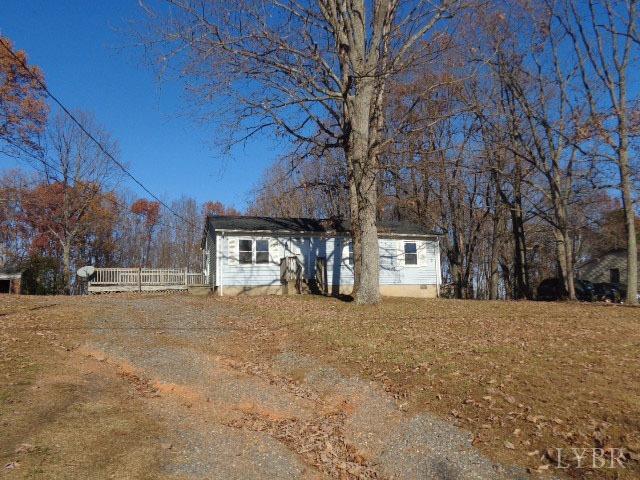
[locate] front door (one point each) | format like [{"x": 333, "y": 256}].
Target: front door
[{"x": 296, "y": 247}]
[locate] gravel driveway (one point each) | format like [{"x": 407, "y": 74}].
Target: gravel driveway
[{"x": 289, "y": 417}]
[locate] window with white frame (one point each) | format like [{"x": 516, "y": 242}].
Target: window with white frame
[
  {"x": 246, "y": 251},
  {"x": 350, "y": 253},
  {"x": 410, "y": 253},
  {"x": 262, "y": 251}
]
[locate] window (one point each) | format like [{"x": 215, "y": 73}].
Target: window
[
  {"x": 614, "y": 275},
  {"x": 350, "y": 253},
  {"x": 246, "y": 251},
  {"x": 262, "y": 251},
  {"x": 410, "y": 253}
]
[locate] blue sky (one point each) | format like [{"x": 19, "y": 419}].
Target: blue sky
[{"x": 89, "y": 64}]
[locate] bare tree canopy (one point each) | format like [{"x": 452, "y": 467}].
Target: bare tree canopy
[
  {"x": 510, "y": 127},
  {"x": 317, "y": 71},
  {"x": 604, "y": 36},
  {"x": 513, "y": 143}
]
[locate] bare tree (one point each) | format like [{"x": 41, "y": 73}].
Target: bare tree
[
  {"x": 76, "y": 174},
  {"x": 544, "y": 121},
  {"x": 604, "y": 36},
  {"x": 313, "y": 186},
  {"x": 316, "y": 71}
]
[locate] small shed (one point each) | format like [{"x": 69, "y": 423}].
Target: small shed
[{"x": 10, "y": 279}]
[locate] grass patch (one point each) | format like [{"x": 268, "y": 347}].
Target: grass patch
[
  {"x": 524, "y": 377},
  {"x": 63, "y": 415}
]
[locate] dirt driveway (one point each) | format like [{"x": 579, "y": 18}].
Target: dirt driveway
[{"x": 176, "y": 377}]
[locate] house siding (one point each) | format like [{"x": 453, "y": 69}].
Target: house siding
[
  {"x": 393, "y": 271},
  {"x": 599, "y": 270},
  {"x": 237, "y": 274},
  {"x": 211, "y": 240}
]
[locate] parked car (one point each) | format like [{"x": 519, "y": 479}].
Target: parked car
[
  {"x": 610, "y": 292},
  {"x": 552, "y": 289}
]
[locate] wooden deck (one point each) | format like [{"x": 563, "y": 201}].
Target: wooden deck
[{"x": 144, "y": 280}]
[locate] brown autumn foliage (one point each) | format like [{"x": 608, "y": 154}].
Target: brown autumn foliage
[
  {"x": 149, "y": 211},
  {"x": 77, "y": 219},
  {"x": 610, "y": 233},
  {"x": 40, "y": 219},
  {"x": 218, "y": 208},
  {"x": 23, "y": 110}
]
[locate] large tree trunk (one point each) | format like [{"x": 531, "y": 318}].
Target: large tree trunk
[
  {"x": 456, "y": 274},
  {"x": 521, "y": 289},
  {"x": 625, "y": 187},
  {"x": 520, "y": 286},
  {"x": 625, "y": 172},
  {"x": 563, "y": 243},
  {"x": 364, "y": 231},
  {"x": 364, "y": 195},
  {"x": 506, "y": 276},
  {"x": 629, "y": 223},
  {"x": 494, "y": 273},
  {"x": 66, "y": 266},
  {"x": 369, "y": 286},
  {"x": 355, "y": 232},
  {"x": 455, "y": 256},
  {"x": 568, "y": 253},
  {"x": 564, "y": 252}
]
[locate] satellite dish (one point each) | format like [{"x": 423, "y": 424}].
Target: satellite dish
[{"x": 86, "y": 272}]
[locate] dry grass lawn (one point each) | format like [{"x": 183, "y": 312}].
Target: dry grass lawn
[
  {"x": 524, "y": 377},
  {"x": 63, "y": 415}
]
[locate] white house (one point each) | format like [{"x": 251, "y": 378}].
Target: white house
[{"x": 243, "y": 255}]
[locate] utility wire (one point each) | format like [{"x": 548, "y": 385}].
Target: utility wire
[
  {"x": 115, "y": 202},
  {"x": 88, "y": 134}
]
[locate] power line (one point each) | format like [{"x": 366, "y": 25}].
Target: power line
[
  {"x": 88, "y": 134},
  {"x": 115, "y": 202}
]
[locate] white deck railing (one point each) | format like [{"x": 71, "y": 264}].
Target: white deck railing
[{"x": 144, "y": 279}]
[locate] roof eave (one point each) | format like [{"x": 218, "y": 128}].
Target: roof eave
[{"x": 326, "y": 233}]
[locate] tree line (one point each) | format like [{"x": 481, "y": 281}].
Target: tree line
[
  {"x": 517, "y": 141},
  {"x": 509, "y": 126},
  {"x": 68, "y": 208},
  {"x": 52, "y": 225}
]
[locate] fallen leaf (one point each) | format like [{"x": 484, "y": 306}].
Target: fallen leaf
[{"x": 24, "y": 448}]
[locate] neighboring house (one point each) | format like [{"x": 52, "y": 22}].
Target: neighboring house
[
  {"x": 10, "y": 279},
  {"x": 610, "y": 267},
  {"x": 243, "y": 255}
]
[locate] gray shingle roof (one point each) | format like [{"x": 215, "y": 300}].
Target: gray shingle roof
[{"x": 288, "y": 224}]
